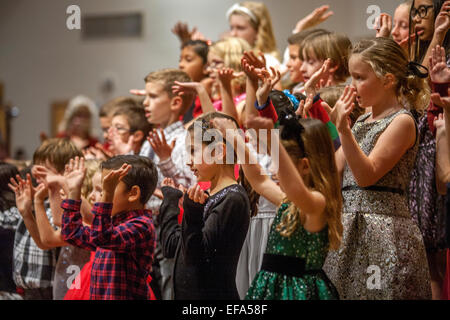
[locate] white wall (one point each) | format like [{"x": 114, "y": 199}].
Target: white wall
[{"x": 42, "y": 61}]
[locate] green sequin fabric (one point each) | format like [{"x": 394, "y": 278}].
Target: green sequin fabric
[{"x": 313, "y": 247}]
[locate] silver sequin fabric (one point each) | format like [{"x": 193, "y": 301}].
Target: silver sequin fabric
[{"x": 382, "y": 254}]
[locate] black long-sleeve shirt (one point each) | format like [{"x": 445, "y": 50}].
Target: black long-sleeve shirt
[{"x": 208, "y": 244}]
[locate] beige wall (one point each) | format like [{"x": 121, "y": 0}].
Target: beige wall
[{"x": 41, "y": 61}]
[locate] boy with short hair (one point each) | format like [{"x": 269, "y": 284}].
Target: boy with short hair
[
  {"x": 34, "y": 262},
  {"x": 129, "y": 129},
  {"x": 167, "y": 149},
  {"x": 122, "y": 233}
]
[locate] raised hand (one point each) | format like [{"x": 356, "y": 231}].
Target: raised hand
[
  {"x": 268, "y": 82},
  {"x": 186, "y": 88},
  {"x": 74, "y": 174},
  {"x": 168, "y": 182},
  {"x": 196, "y": 194},
  {"x": 314, "y": 82},
  {"x": 226, "y": 75},
  {"x": 313, "y": 19},
  {"x": 50, "y": 179},
  {"x": 344, "y": 107},
  {"x": 111, "y": 180},
  {"x": 41, "y": 193},
  {"x": 162, "y": 149},
  {"x": 439, "y": 72},
  {"x": 24, "y": 192},
  {"x": 252, "y": 65},
  {"x": 383, "y": 25},
  {"x": 121, "y": 147},
  {"x": 181, "y": 30},
  {"x": 304, "y": 106},
  {"x": 442, "y": 22},
  {"x": 138, "y": 92}
]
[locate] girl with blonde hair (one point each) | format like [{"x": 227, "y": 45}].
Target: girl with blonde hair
[{"x": 375, "y": 161}]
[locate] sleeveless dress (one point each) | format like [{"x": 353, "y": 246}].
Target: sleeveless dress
[
  {"x": 382, "y": 254},
  {"x": 311, "y": 284}
]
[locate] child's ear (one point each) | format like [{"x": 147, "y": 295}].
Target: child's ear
[
  {"x": 176, "y": 103},
  {"x": 303, "y": 166},
  {"x": 134, "y": 194},
  {"x": 389, "y": 80}
]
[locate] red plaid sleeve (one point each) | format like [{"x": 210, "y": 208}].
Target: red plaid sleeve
[
  {"x": 269, "y": 112},
  {"x": 137, "y": 232},
  {"x": 72, "y": 229}
]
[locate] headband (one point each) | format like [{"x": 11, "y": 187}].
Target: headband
[{"x": 238, "y": 8}]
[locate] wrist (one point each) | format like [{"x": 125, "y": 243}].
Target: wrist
[
  {"x": 107, "y": 197},
  {"x": 261, "y": 104},
  {"x": 75, "y": 194}
]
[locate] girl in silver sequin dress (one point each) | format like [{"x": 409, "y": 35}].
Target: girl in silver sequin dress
[{"x": 382, "y": 255}]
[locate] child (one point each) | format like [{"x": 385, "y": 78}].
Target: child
[
  {"x": 295, "y": 62},
  {"x": 9, "y": 219},
  {"x": 376, "y": 158},
  {"x": 251, "y": 21},
  {"x": 194, "y": 61},
  {"x": 308, "y": 219},
  {"x": 214, "y": 226},
  {"x": 224, "y": 68},
  {"x": 34, "y": 262},
  {"x": 400, "y": 30},
  {"x": 69, "y": 255},
  {"x": 163, "y": 109},
  {"x": 106, "y": 113},
  {"x": 430, "y": 22},
  {"x": 129, "y": 129},
  {"x": 122, "y": 233},
  {"x": 317, "y": 48}
]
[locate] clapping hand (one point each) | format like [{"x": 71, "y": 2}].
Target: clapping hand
[
  {"x": 268, "y": 82},
  {"x": 162, "y": 149},
  {"x": 24, "y": 193},
  {"x": 196, "y": 194},
  {"x": 344, "y": 106},
  {"x": 74, "y": 174}
]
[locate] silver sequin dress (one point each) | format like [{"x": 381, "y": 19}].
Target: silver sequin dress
[{"x": 382, "y": 254}]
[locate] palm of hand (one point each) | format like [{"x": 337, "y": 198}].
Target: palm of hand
[
  {"x": 74, "y": 179},
  {"x": 440, "y": 73},
  {"x": 442, "y": 23},
  {"x": 24, "y": 200}
]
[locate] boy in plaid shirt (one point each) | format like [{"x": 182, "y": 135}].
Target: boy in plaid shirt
[{"x": 122, "y": 232}]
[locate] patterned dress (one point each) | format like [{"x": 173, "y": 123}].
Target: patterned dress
[
  {"x": 427, "y": 207},
  {"x": 382, "y": 254},
  {"x": 311, "y": 248}
]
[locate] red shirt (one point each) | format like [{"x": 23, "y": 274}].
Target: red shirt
[{"x": 124, "y": 247}]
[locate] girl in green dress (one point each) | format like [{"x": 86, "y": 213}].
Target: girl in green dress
[{"x": 308, "y": 222}]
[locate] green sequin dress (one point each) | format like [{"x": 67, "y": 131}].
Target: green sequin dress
[{"x": 313, "y": 248}]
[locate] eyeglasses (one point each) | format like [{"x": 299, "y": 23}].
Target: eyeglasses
[{"x": 422, "y": 11}]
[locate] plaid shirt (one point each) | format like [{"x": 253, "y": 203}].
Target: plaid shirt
[
  {"x": 9, "y": 219},
  {"x": 176, "y": 166},
  {"x": 123, "y": 245},
  {"x": 33, "y": 268}
]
